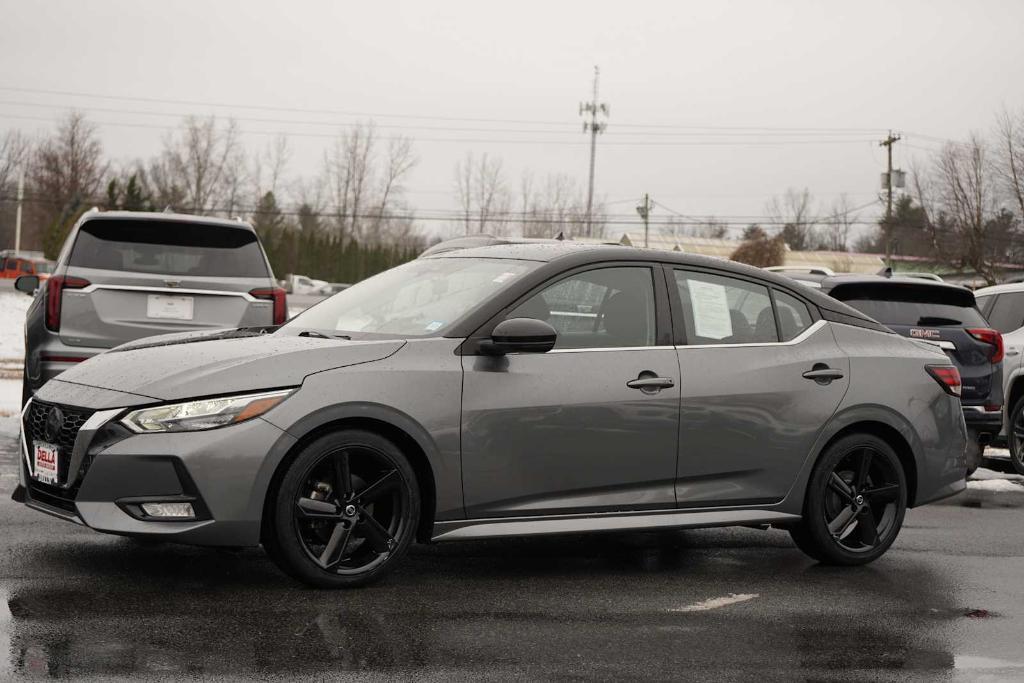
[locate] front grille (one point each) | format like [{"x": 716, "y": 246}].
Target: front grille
[{"x": 35, "y": 430}]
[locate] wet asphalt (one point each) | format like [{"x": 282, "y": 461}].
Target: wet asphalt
[{"x": 946, "y": 603}]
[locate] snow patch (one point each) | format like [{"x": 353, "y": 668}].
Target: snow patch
[
  {"x": 13, "y": 306},
  {"x": 715, "y": 603},
  {"x": 996, "y": 485},
  {"x": 983, "y": 474}
]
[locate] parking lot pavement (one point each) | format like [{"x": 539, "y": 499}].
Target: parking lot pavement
[{"x": 946, "y": 602}]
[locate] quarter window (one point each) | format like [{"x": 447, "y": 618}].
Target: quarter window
[
  {"x": 794, "y": 316},
  {"x": 1007, "y": 312},
  {"x": 601, "y": 308},
  {"x": 724, "y": 310}
]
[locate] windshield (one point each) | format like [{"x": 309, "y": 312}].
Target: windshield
[{"x": 422, "y": 297}]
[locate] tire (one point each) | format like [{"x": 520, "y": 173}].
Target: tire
[
  {"x": 852, "y": 512},
  {"x": 329, "y": 534},
  {"x": 1015, "y": 436},
  {"x": 975, "y": 452}
]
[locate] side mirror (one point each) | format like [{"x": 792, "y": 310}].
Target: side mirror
[
  {"x": 520, "y": 335},
  {"x": 27, "y": 284}
]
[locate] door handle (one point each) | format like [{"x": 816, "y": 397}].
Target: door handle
[
  {"x": 823, "y": 374},
  {"x": 1012, "y": 352},
  {"x": 651, "y": 384}
]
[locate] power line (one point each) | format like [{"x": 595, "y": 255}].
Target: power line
[{"x": 426, "y": 117}]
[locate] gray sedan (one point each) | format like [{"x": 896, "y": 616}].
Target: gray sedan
[{"x": 506, "y": 391}]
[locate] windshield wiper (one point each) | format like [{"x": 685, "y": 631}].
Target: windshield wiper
[{"x": 321, "y": 335}]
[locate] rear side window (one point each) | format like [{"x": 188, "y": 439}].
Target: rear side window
[
  {"x": 168, "y": 248},
  {"x": 724, "y": 310},
  {"x": 1007, "y": 312},
  {"x": 794, "y": 316},
  {"x": 913, "y": 305}
]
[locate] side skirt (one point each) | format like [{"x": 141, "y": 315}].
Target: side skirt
[{"x": 460, "y": 530}]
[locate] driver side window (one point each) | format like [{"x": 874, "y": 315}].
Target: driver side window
[{"x": 601, "y": 308}]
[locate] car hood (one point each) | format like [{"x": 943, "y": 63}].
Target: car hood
[{"x": 182, "y": 366}]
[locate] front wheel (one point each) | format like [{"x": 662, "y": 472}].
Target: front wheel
[
  {"x": 855, "y": 502},
  {"x": 1015, "y": 436},
  {"x": 345, "y": 512}
]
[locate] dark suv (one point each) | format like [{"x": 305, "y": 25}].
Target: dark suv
[{"x": 946, "y": 316}]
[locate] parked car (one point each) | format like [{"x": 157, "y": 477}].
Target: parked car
[
  {"x": 458, "y": 397},
  {"x": 1003, "y": 306},
  {"x": 946, "y": 316},
  {"x": 13, "y": 267},
  {"x": 300, "y": 284},
  {"x": 125, "y": 275}
]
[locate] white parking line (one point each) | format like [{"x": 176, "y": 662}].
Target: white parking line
[{"x": 715, "y": 603}]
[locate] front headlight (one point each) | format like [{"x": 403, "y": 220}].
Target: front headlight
[{"x": 207, "y": 413}]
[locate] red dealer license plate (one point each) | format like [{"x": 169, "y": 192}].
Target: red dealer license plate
[{"x": 46, "y": 459}]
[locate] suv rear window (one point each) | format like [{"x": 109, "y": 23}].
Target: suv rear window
[
  {"x": 168, "y": 248},
  {"x": 912, "y": 305}
]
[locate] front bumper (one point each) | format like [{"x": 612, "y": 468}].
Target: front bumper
[{"x": 223, "y": 472}]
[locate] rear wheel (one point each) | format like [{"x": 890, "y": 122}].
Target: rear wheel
[
  {"x": 855, "y": 502},
  {"x": 1015, "y": 436},
  {"x": 345, "y": 511}
]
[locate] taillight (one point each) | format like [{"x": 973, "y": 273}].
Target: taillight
[
  {"x": 278, "y": 296},
  {"x": 55, "y": 286},
  {"x": 947, "y": 376},
  {"x": 992, "y": 337}
]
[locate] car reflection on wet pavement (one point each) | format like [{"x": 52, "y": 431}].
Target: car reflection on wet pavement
[{"x": 945, "y": 602}]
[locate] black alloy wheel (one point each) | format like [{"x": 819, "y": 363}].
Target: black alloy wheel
[
  {"x": 855, "y": 503},
  {"x": 345, "y": 511},
  {"x": 1015, "y": 436}
]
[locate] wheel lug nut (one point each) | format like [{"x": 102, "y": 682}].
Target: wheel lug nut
[{"x": 350, "y": 510}]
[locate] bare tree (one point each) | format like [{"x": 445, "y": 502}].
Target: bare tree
[
  {"x": 837, "y": 225},
  {"x": 794, "y": 212},
  {"x": 482, "y": 195},
  {"x": 1010, "y": 155},
  {"x": 201, "y": 168},
  {"x": 400, "y": 161},
  {"x": 968, "y": 205},
  {"x": 14, "y": 154},
  {"x": 348, "y": 167}
]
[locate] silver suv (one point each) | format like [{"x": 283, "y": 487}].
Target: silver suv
[{"x": 125, "y": 275}]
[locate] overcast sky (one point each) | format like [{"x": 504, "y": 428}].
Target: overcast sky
[{"x": 724, "y": 79}]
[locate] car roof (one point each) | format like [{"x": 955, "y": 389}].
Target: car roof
[
  {"x": 582, "y": 253},
  {"x": 165, "y": 217},
  {"x": 834, "y": 281},
  {"x": 1000, "y": 289}
]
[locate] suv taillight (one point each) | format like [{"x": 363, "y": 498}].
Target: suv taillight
[
  {"x": 992, "y": 337},
  {"x": 55, "y": 286},
  {"x": 947, "y": 376},
  {"x": 278, "y": 296}
]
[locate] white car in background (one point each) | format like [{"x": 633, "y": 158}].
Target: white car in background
[
  {"x": 300, "y": 284},
  {"x": 1003, "y": 307}
]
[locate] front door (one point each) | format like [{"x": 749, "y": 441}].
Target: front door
[
  {"x": 573, "y": 430},
  {"x": 760, "y": 379}
]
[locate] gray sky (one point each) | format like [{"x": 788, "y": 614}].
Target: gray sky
[{"x": 715, "y": 72}]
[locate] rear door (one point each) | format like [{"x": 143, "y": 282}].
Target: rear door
[
  {"x": 750, "y": 412},
  {"x": 148, "y": 277},
  {"x": 941, "y": 315}
]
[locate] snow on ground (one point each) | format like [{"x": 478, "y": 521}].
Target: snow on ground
[
  {"x": 13, "y": 306},
  {"x": 10, "y": 397},
  {"x": 997, "y": 482},
  {"x": 996, "y": 485}
]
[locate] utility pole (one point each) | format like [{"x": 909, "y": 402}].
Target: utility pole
[
  {"x": 593, "y": 126},
  {"x": 17, "y": 215},
  {"x": 645, "y": 212},
  {"x": 888, "y": 143}
]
